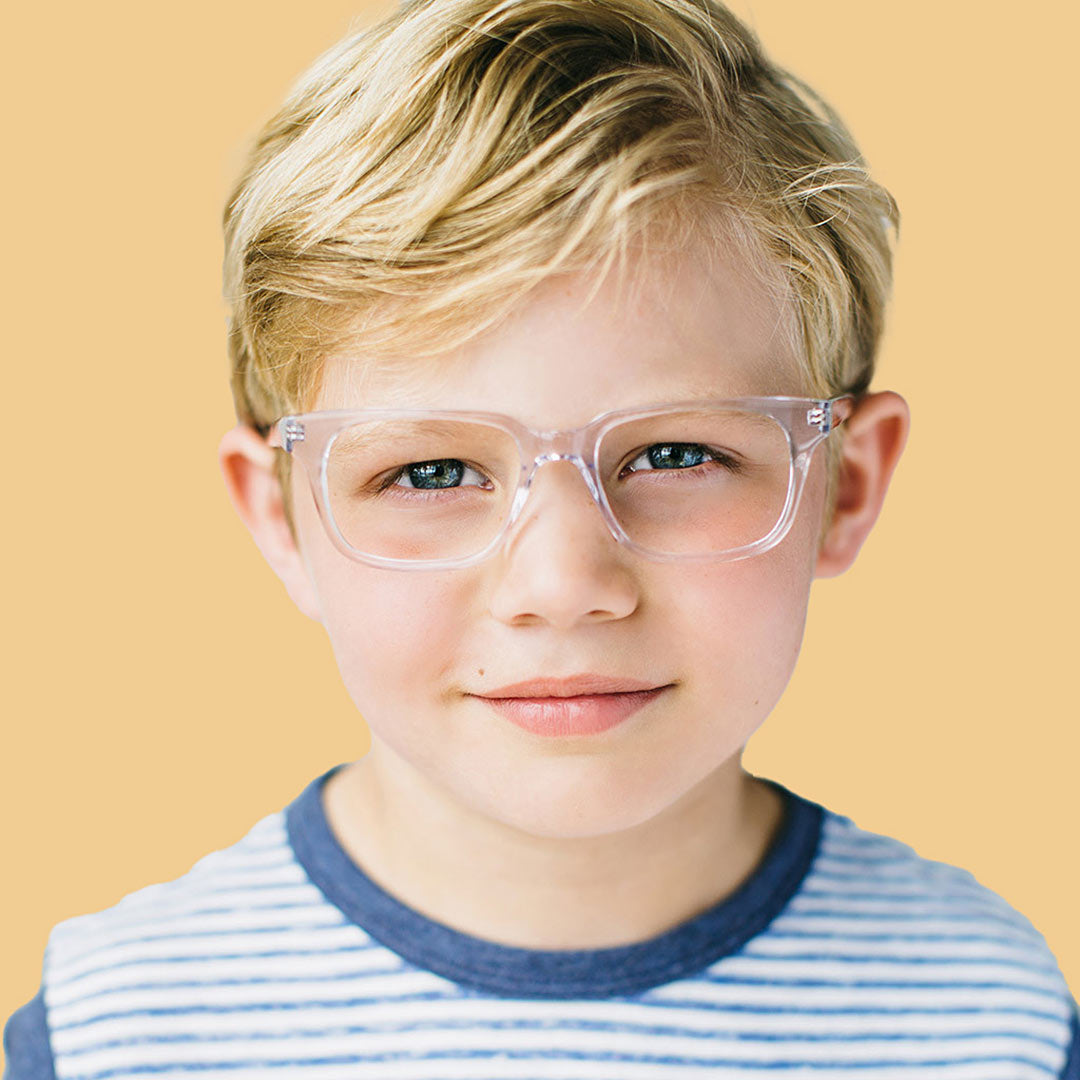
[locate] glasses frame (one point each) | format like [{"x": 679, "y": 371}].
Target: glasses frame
[{"x": 806, "y": 422}]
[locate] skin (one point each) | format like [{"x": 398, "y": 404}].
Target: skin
[{"x": 581, "y": 842}]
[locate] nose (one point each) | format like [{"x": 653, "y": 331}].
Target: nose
[
  {"x": 568, "y": 466},
  {"x": 561, "y": 562}
]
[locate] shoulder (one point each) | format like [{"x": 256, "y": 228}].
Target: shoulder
[
  {"x": 929, "y": 934},
  {"x": 104, "y": 961},
  {"x": 870, "y": 873},
  {"x": 867, "y": 874},
  {"x": 227, "y": 892}
]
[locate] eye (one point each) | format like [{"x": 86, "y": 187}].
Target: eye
[
  {"x": 679, "y": 457},
  {"x": 436, "y": 475}
]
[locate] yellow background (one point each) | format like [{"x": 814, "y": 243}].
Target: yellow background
[{"x": 162, "y": 694}]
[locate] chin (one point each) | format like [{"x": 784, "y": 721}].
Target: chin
[{"x": 580, "y": 804}]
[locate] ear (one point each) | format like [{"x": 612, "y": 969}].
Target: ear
[
  {"x": 874, "y": 437},
  {"x": 247, "y": 463}
]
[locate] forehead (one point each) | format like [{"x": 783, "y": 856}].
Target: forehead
[{"x": 680, "y": 325}]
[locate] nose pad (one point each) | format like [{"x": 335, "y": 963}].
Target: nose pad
[{"x": 583, "y": 472}]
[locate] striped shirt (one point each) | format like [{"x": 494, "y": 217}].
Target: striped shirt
[{"x": 844, "y": 955}]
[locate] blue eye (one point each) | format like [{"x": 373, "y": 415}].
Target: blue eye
[
  {"x": 681, "y": 456},
  {"x": 436, "y": 475}
]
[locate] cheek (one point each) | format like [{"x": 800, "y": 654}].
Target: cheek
[
  {"x": 743, "y": 622},
  {"x": 393, "y": 635}
]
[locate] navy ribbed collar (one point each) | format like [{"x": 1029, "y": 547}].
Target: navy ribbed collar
[{"x": 494, "y": 968}]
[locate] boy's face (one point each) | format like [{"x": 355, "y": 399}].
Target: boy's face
[{"x": 562, "y": 596}]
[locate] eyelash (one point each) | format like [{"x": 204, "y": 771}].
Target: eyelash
[
  {"x": 725, "y": 460},
  {"x": 719, "y": 456}
]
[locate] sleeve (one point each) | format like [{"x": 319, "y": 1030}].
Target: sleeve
[
  {"x": 26, "y": 1043},
  {"x": 1072, "y": 1059}
]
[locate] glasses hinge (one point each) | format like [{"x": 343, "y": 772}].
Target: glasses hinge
[
  {"x": 293, "y": 433},
  {"x": 820, "y": 416}
]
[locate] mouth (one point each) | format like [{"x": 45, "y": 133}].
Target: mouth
[
  {"x": 583, "y": 685},
  {"x": 577, "y": 714}
]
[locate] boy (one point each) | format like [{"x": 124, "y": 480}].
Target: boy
[{"x": 553, "y": 329}]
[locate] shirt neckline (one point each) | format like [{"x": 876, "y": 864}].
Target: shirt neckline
[{"x": 494, "y": 968}]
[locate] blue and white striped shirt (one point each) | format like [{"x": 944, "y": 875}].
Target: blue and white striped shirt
[{"x": 844, "y": 955}]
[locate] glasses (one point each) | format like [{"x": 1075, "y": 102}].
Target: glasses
[{"x": 707, "y": 480}]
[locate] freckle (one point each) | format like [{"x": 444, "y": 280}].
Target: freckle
[{"x": 481, "y": 671}]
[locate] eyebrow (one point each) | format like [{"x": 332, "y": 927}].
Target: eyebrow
[{"x": 368, "y": 432}]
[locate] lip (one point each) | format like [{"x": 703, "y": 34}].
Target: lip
[
  {"x": 573, "y": 686},
  {"x": 583, "y": 714}
]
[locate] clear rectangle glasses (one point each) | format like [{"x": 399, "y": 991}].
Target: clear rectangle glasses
[{"x": 703, "y": 480}]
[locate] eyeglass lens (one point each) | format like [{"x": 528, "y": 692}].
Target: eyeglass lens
[{"x": 693, "y": 483}]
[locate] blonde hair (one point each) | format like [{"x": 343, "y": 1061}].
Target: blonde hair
[{"x": 428, "y": 171}]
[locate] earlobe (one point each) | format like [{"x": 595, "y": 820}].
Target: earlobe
[
  {"x": 874, "y": 439},
  {"x": 248, "y": 466}
]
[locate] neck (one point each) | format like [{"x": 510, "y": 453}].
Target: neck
[{"x": 491, "y": 880}]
